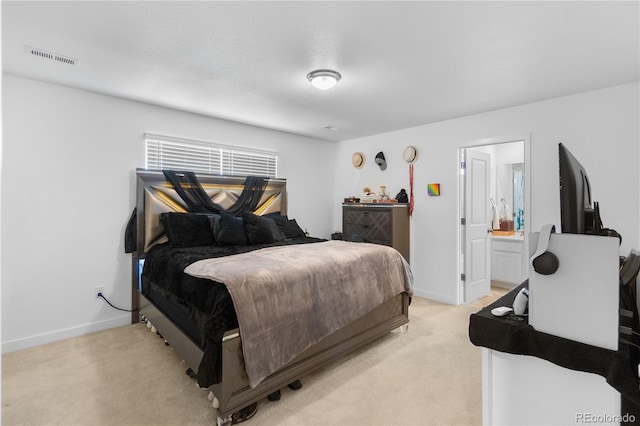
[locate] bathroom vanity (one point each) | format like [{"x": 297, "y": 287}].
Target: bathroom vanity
[{"x": 507, "y": 260}]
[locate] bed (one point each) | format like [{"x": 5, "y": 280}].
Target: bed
[{"x": 232, "y": 329}]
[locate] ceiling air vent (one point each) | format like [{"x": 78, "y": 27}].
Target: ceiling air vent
[{"x": 50, "y": 55}]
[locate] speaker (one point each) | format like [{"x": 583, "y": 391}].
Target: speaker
[
  {"x": 546, "y": 264},
  {"x": 543, "y": 261}
]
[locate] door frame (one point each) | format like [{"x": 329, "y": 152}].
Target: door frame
[{"x": 526, "y": 138}]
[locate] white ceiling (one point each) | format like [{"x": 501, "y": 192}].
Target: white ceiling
[{"x": 403, "y": 64}]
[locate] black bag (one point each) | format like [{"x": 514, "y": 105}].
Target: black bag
[{"x": 402, "y": 196}]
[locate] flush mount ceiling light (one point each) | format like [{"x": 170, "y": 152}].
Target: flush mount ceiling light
[{"x": 324, "y": 79}]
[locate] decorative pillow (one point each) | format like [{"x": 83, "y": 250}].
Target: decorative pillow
[
  {"x": 261, "y": 230},
  {"x": 289, "y": 227},
  {"x": 214, "y": 222},
  {"x": 231, "y": 231},
  {"x": 275, "y": 216},
  {"x": 187, "y": 229}
]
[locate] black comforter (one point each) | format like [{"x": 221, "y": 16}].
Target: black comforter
[{"x": 207, "y": 303}]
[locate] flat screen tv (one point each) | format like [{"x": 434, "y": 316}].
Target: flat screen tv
[{"x": 576, "y": 209}]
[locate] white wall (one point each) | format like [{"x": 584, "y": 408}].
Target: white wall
[
  {"x": 68, "y": 189},
  {"x": 601, "y": 128}
]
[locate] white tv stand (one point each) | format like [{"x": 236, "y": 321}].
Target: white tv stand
[
  {"x": 573, "y": 314},
  {"x": 526, "y": 390}
]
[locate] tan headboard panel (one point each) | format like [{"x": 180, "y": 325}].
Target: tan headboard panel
[{"x": 155, "y": 196}]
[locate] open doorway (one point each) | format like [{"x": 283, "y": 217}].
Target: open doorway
[{"x": 494, "y": 211}]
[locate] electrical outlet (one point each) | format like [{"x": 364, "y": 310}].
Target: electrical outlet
[{"x": 99, "y": 289}]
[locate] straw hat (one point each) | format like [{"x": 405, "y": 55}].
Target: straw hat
[
  {"x": 410, "y": 154},
  {"x": 358, "y": 159}
]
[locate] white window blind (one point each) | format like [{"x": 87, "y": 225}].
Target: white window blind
[{"x": 164, "y": 152}]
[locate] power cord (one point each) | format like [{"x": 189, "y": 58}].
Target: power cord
[
  {"x": 115, "y": 307},
  {"x": 627, "y": 330},
  {"x": 629, "y": 343}
]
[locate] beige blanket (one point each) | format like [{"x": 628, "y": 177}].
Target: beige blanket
[{"x": 288, "y": 298}]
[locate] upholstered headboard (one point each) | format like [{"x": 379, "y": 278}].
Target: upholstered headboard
[{"x": 155, "y": 195}]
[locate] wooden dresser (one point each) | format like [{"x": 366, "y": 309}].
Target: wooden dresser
[{"x": 386, "y": 224}]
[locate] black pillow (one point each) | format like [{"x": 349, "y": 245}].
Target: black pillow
[
  {"x": 275, "y": 216},
  {"x": 187, "y": 229},
  {"x": 293, "y": 229},
  {"x": 231, "y": 232},
  {"x": 289, "y": 227},
  {"x": 261, "y": 230},
  {"x": 214, "y": 222}
]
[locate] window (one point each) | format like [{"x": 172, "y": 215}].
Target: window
[{"x": 164, "y": 152}]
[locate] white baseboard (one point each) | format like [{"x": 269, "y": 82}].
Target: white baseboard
[
  {"x": 55, "y": 336},
  {"x": 433, "y": 296}
]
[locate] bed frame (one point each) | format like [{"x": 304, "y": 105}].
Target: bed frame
[{"x": 154, "y": 196}]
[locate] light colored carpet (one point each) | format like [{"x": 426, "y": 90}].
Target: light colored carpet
[{"x": 428, "y": 376}]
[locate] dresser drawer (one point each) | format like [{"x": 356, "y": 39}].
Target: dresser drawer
[
  {"x": 367, "y": 217},
  {"x": 367, "y": 233},
  {"x": 378, "y": 224}
]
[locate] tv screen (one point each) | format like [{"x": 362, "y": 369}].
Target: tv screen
[{"x": 576, "y": 211}]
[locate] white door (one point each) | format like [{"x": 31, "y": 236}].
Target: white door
[{"x": 477, "y": 255}]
